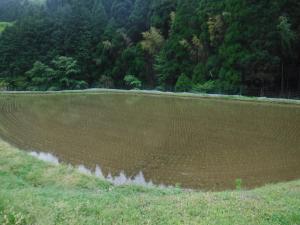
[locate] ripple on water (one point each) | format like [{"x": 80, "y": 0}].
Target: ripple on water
[{"x": 145, "y": 139}]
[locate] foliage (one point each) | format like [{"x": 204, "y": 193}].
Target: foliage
[
  {"x": 157, "y": 41},
  {"x": 133, "y": 82},
  {"x": 66, "y": 72},
  {"x": 62, "y": 76},
  {"x": 3, "y": 85},
  {"x": 210, "y": 86},
  {"x": 4, "y": 25},
  {"x": 183, "y": 84},
  {"x": 153, "y": 41},
  {"x": 216, "y": 29},
  {"x": 40, "y": 76},
  {"x": 287, "y": 35}
]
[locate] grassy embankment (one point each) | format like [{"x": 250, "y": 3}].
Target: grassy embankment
[
  {"x": 170, "y": 94},
  {"x": 36, "y": 192}
]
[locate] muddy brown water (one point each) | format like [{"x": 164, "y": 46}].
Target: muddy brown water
[{"x": 200, "y": 143}]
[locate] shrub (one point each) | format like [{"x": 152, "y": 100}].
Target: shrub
[
  {"x": 183, "y": 83},
  {"x": 199, "y": 73},
  {"x": 3, "y": 85},
  {"x": 210, "y": 86},
  {"x": 132, "y": 82}
]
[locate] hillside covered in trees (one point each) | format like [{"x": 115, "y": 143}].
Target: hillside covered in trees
[{"x": 249, "y": 47}]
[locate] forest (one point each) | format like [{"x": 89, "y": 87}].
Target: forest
[{"x": 249, "y": 47}]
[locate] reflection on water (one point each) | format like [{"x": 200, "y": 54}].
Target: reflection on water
[
  {"x": 121, "y": 179},
  {"x": 47, "y": 157},
  {"x": 194, "y": 142}
]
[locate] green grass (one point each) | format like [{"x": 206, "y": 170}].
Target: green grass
[
  {"x": 3, "y": 25},
  {"x": 35, "y": 192}
]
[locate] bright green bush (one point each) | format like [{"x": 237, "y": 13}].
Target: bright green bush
[
  {"x": 132, "y": 82},
  {"x": 210, "y": 86}
]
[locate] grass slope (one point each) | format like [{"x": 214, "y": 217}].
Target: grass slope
[{"x": 35, "y": 192}]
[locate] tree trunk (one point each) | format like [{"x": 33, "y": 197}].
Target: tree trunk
[
  {"x": 262, "y": 89},
  {"x": 282, "y": 80},
  {"x": 149, "y": 72},
  {"x": 287, "y": 82},
  {"x": 298, "y": 89}
]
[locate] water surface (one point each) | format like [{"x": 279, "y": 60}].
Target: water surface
[{"x": 201, "y": 143}]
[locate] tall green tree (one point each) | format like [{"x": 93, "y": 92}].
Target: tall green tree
[
  {"x": 287, "y": 36},
  {"x": 228, "y": 46}
]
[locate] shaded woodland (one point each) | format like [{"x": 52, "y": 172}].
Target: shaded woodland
[{"x": 249, "y": 47}]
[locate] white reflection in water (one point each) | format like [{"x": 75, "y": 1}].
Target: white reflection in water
[
  {"x": 84, "y": 170},
  {"x": 45, "y": 157},
  {"x": 121, "y": 179},
  {"x": 98, "y": 172}
]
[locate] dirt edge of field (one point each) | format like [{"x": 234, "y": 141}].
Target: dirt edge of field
[{"x": 158, "y": 93}]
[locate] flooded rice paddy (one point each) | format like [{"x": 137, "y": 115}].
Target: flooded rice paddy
[{"x": 201, "y": 143}]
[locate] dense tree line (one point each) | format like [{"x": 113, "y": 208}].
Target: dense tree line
[{"x": 228, "y": 46}]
